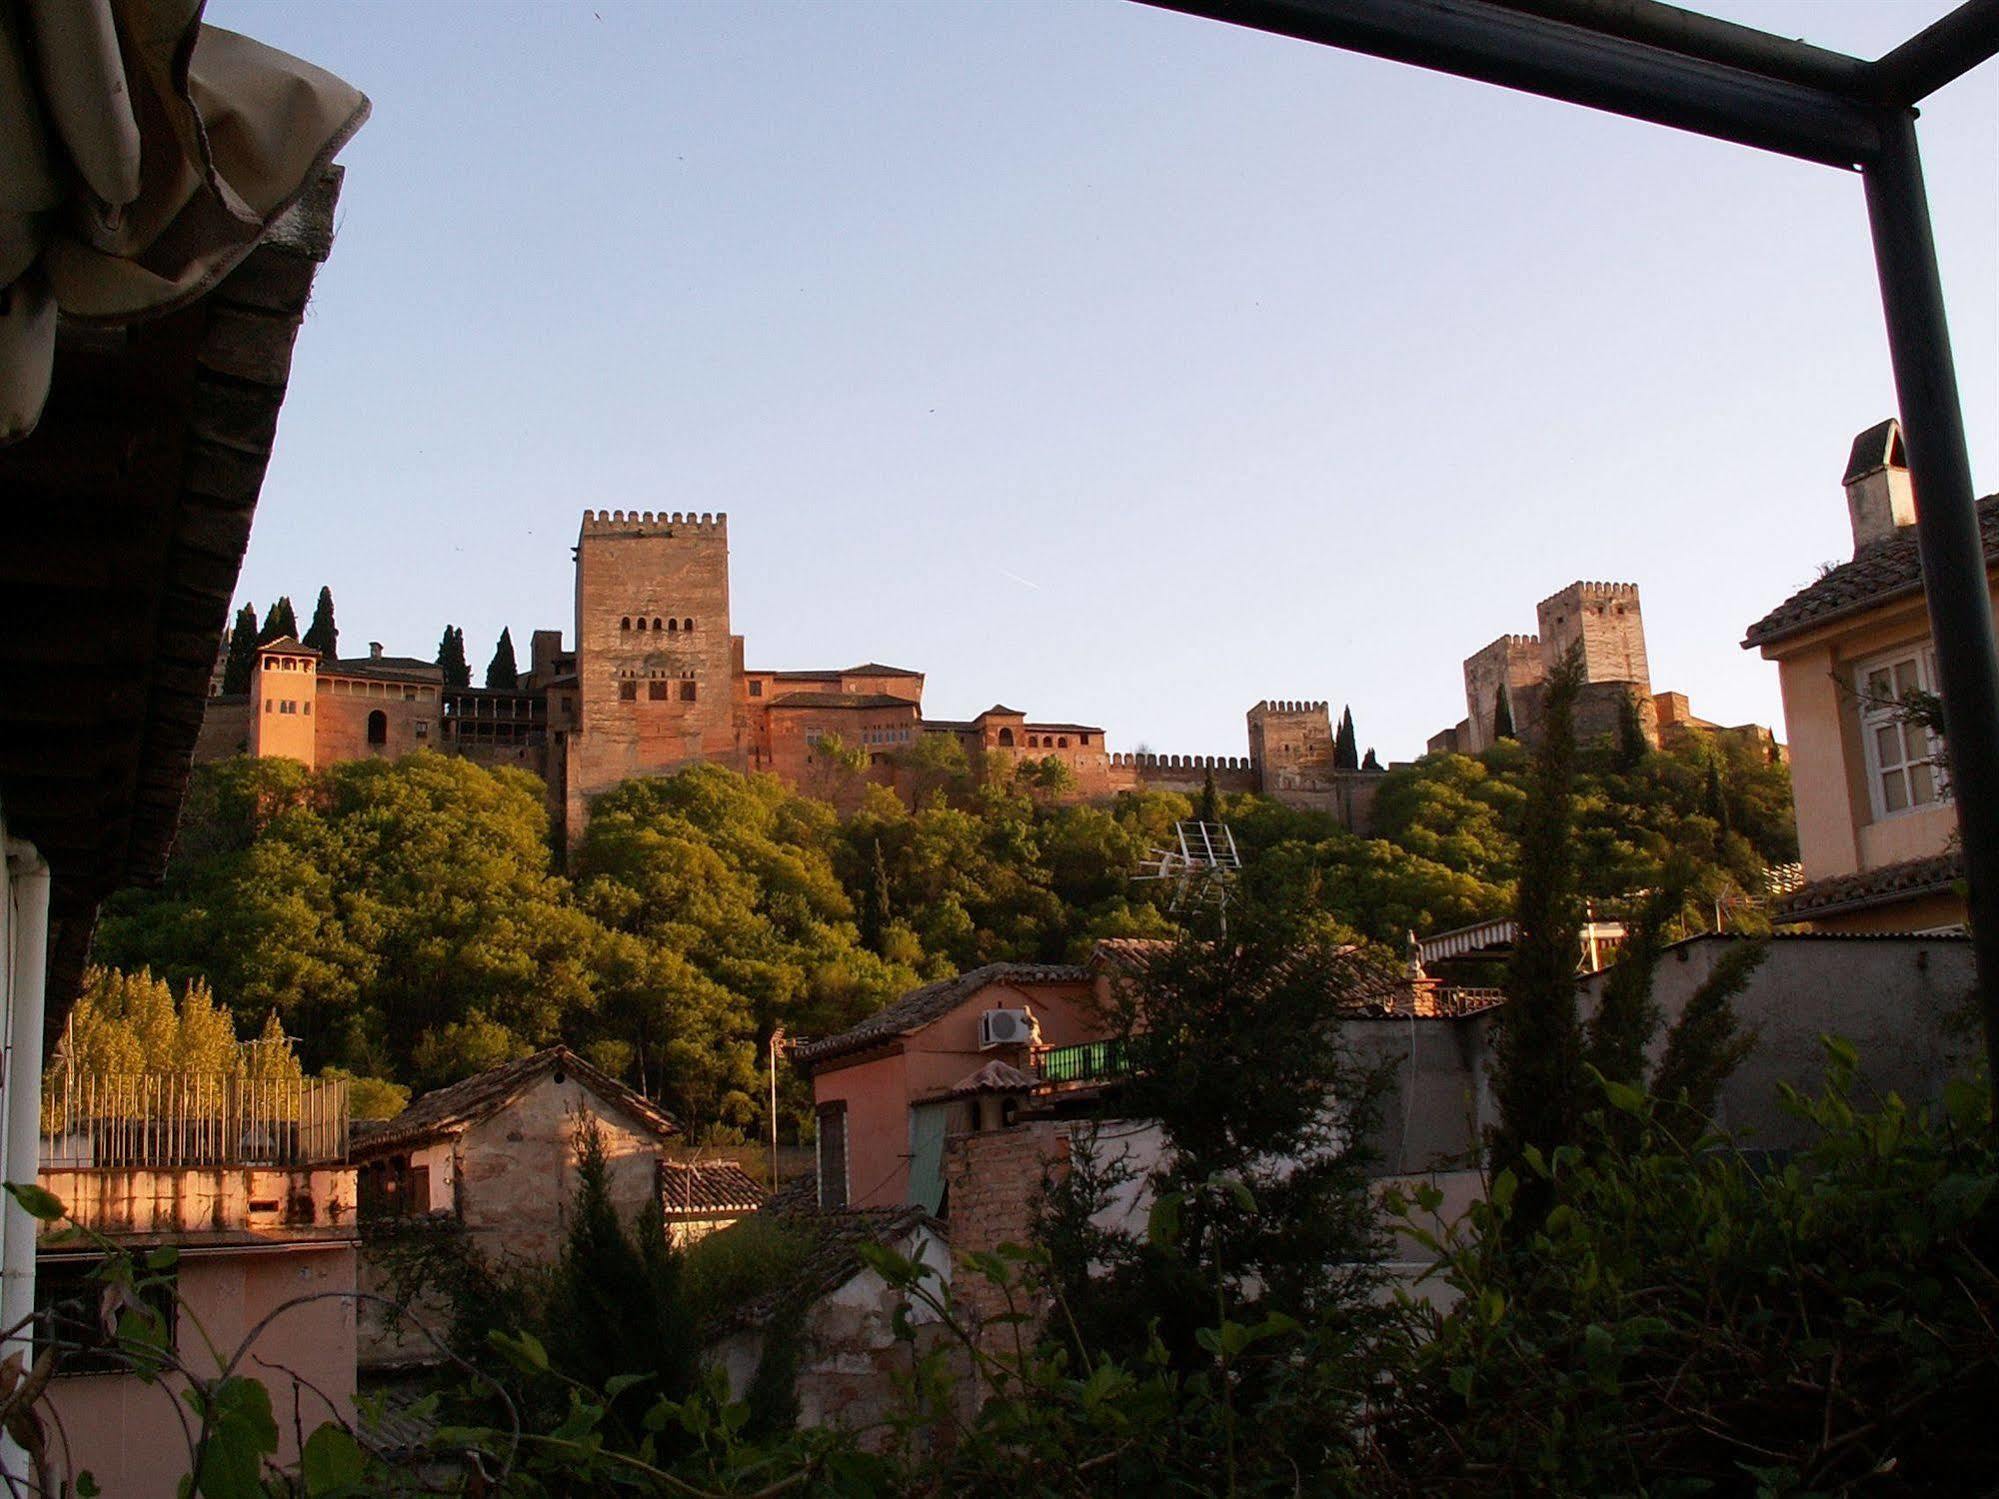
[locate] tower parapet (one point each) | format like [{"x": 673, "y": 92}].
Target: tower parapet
[
  {"x": 655, "y": 523},
  {"x": 1606, "y": 621}
]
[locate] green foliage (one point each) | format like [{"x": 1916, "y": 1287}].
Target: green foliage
[
  {"x": 1260, "y": 1190},
  {"x": 1502, "y": 715},
  {"x": 370, "y": 1097},
  {"x": 618, "y": 1307},
  {"x": 1346, "y": 747},
  {"x": 323, "y": 635},
  {"x": 129, "y": 1024},
  {"x": 1707, "y": 1042},
  {"x": 1688, "y": 1320},
  {"x": 279, "y": 621},
  {"x": 242, "y": 658},
  {"x": 451, "y": 658},
  {"x": 1538, "y": 1072},
  {"x": 502, "y": 671},
  {"x": 749, "y": 1259}
]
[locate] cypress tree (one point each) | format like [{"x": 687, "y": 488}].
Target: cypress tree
[
  {"x": 1538, "y": 1078},
  {"x": 1631, "y": 745},
  {"x": 451, "y": 658},
  {"x": 279, "y": 621},
  {"x": 324, "y": 636},
  {"x": 1346, "y": 748},
  {"x": 242, "y": 658},
  {"x": 1369, "y": 762},
  {"x": 1714, "y": 801},
  {"x": 502, "y": 672},
  {"x": 1210, "y": 809},
  {"x": 1502, "y": 716}
]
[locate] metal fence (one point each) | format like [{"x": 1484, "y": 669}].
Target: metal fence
[
  {"x": 1083, "y": 1063},
  {"x": 166, "y": 1120}
]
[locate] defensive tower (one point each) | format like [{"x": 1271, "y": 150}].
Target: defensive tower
[{"x": 1605, "y": 618}]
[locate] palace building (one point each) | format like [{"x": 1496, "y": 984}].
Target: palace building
[{"x": 656, "y": 681}]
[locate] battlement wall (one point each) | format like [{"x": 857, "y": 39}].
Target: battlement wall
[
  {"x": 1585, "y": 589},
  {"x": 648, "y": 522},
  {"x": 1142, "y": 761},
  {"x": 1286, "y": 705}
]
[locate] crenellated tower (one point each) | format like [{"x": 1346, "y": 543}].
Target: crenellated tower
[{"x": 653, "y": 654}]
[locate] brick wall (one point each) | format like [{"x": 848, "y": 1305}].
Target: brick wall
[
  {"x": 1605, "y": 618},
  {"x": 993, "y": 1182}
]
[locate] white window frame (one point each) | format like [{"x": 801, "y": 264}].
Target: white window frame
[{"x": 1876, "y": 715}]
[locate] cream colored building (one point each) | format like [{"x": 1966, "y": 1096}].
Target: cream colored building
[{"x": 1876, "y": 828}]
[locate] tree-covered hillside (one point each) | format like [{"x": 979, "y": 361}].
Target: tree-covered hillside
[{"x": 410, "y": 921}]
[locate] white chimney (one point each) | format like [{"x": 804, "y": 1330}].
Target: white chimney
[
  {"x": 374, "y": 650},
  {"x": 1879, "y": 498}
]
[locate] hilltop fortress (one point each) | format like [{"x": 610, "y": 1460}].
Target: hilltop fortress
[
  {"x": 1504, "y": 681},
  {"x": 656, "y": 681}
]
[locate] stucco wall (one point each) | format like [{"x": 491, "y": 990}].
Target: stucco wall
[
  {"x": 879, "y": 1090},
  {"x": 128, "y": 1435}
]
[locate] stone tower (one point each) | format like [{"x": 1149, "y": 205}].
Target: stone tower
[
  {"x": 284, "y": 687},
  {"x": 653, "y": 659},
  {"x": 1511, "y": 664},
  {"x": 1605, "y": 618},
  {"x": 1289, "y": 736}
]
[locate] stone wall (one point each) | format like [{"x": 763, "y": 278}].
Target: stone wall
[
  {"x": 1290, "y": 735},
  {"x": 1605, "y": 618},
  {"x": 993, "y": 1182},
  {"x": 204, "y": 1199},
  {"x": 651, "y": 699},
  {"x": 225, "y": 729},
  {"x": 1512, "y": 663}
]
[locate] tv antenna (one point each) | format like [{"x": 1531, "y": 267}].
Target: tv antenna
[{"x": 1202, "y": 868}]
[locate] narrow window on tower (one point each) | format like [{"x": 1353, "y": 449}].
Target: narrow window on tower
[
  {"x": 656, "y": 692},
  {"x": 628, "y": 692},
  {"x": 687, "y": 692}
]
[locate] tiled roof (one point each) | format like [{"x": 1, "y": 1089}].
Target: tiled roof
[
  {"x": 449, "y": 1111},
  {"x": 289, "y": 645},
  {"x": 876, "y": 669},
  {"x": 841, "y": 700},
  {"x": 995, "y": 1077},
  {"x": 385, "y": 668},
  {"x": 1065, "y": 728},
  {"x": 920, "y": 1007},
  {"x": 1882, "y": 573},
  {"x": 1871, "y": 887},
  {"x": 708, "y": 1189},
  {"x": 1001, "y": 710}
]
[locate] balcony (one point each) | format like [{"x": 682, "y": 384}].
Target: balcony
[{"x": 1089, "y": 1062}]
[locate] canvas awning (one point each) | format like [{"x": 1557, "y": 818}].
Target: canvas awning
[{"x": 142, "y": 156}]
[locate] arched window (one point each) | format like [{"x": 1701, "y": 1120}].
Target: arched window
[
  {"x": 642, "y": 623},
  {"x": 378, "y": 727},
  {"x": 673, "y": 626},
  {"x": 1006, "y": 737},
  {"x": 1063, "y": 742},
  {"x": 687, "y": 626},
  {"x": 625, "y": 623},
  {"x": 655, "y": 623}
]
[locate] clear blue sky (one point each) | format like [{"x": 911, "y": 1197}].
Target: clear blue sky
[{"x": 1120, "y": 366}]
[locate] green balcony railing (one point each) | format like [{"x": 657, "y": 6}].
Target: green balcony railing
[{"x": 1086, "y": 1063}]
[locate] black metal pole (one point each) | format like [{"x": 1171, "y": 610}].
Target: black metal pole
[{"x": 1947, "y": 529}]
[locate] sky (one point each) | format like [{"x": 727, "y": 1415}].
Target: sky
[{"x": 1116, "y": 365}]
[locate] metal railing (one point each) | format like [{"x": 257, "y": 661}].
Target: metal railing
[
  {"x": 1087, "y": 1062},
  {"x": 169, "y": 1120}
]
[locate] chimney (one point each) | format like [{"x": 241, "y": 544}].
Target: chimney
[
  {"x": 1879, "y": 499},
  {"x": 374, "y": 650}
]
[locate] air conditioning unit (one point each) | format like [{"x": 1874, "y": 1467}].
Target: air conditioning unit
[{"x": 1005, "y": 1028}]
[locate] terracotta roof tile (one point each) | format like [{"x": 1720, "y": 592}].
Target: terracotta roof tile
[
  {"x": 1871, "y": 887},
  {"x": 1889, "y": 570},
  {"x": 842, "y": 700},
  {"x": 710, "y": 1188}
]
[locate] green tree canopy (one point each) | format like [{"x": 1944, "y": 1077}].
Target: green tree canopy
[
  {"x": 279, "y": 621},
  {"x": 501, "y": 670},
  {"x": 451, "y": 658},
  {"x": 323, "y": 635},
  {"x": 242, "y": 658}
]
